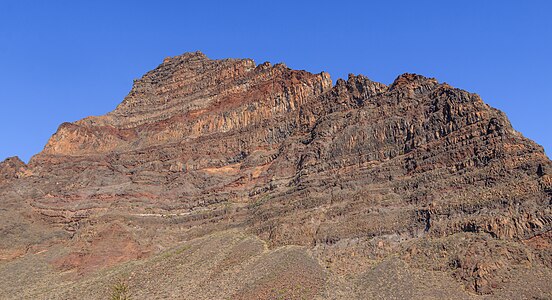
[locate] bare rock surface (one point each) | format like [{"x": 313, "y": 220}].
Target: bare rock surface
[{"x": 224, "y": 179}]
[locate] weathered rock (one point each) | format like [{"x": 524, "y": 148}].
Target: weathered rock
[
  {"x": 417, "y": 169},
  {"x": 12, "y": 167}
]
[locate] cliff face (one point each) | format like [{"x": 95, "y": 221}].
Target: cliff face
[{"x": 358, "y": 176}]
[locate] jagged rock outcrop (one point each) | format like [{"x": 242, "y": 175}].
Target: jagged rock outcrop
[
  {"x": 355, "y": 175},
  {"x": 11, "y": 168}
]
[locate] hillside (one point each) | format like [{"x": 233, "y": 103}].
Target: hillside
[{"x": 224, "y": 179}]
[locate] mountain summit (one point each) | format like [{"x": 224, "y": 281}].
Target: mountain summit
[{"x": 224, "y": 179}]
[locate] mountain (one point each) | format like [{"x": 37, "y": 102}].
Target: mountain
[{"x": 224, "y": 179}]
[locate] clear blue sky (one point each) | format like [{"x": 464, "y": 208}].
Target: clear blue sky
[{"x": 65, "y": 60}]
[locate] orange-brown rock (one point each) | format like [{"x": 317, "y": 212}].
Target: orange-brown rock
[
  {"x": 12, "y": 168},
  {"x": 410, "y": 181}
]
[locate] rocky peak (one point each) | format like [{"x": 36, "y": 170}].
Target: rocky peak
[
  {"x": 197, "y": 55},
  {"x": 180, "y": 83},
  {"x": 410, "y": 84},
  {"x": 189, "y": 96},
  {"x": 360, "y": 88},
  {"x": 12, "y": 167},
  {"x": 417, "y": 175}
]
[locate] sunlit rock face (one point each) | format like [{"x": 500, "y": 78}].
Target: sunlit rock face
[{"x": 349, "y": 178}]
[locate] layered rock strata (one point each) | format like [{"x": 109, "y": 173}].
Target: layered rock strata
[{"x": 354, "y": 174}]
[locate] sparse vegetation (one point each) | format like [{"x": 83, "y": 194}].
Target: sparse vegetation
[{"x": 120, "y": 291}]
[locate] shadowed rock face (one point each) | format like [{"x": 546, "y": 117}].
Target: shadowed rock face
[{"x": 416, "y": 176}]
